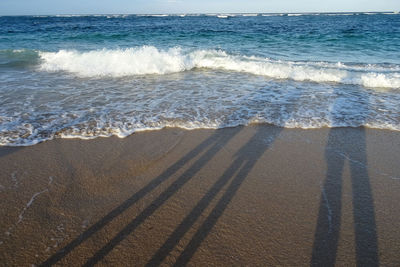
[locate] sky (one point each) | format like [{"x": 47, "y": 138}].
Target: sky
[{"x": 52, "y": 7}]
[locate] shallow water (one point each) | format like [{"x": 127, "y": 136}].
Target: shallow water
[{"x": 89, "y": 76}]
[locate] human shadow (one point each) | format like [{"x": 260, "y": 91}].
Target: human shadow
[
  {"x": 346, "y": 145},
  {"x": 208, "y": 147},
  {"x": 164, "y": 196},
  {"x": 236, "y": 173}
]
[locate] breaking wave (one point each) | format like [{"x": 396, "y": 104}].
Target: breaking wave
[{"x": 150, "y": 60}]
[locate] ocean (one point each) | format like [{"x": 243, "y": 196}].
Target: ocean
[{"x": 77, "y": 76}]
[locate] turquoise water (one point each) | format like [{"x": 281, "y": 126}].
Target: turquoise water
[{"x": 103, "y": 75}]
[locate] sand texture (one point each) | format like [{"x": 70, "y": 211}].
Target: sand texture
[{"x": 256, "y": 196}]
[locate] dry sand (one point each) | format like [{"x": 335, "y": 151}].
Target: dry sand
[{"x": 256, "y": 196}]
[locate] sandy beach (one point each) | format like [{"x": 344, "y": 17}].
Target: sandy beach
[{"x": 257, "y": 196}]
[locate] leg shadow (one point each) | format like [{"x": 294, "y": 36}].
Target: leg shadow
[
  {"x": 219, "y": 143},
  {"x": 353, "y": 150},
  {"x": 363, "y": 210},
  {"x": 214, "y": 143},
  {"x": 245, "y": 160}
]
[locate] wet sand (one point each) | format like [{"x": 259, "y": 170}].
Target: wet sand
[{"x": 257, "y": 196}]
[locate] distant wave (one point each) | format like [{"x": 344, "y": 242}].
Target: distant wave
[
  {"x": 150, "y": 60},
  {"x": 249, "y": 15},
  {"x": 211, "y": 14}
]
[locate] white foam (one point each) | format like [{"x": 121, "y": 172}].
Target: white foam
[
  {"x": 381, "y": 80},
  {"x": 70, "y": 15},
  {"x": 340, "y": 14},
  {"x": 150, "y": 60},
  {"x": 115, "y": 63}
]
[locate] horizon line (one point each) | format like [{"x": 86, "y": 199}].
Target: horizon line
[{"x": 202, "y": 13}]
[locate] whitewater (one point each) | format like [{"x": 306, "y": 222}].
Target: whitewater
[{"x": 150, "y": 60}]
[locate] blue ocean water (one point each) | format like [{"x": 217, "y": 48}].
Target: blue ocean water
[{"x": 102, "y": 75}]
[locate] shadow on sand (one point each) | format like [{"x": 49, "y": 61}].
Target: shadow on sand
[
  {"x": 211, "y": 146},
  {"x": 235, "y": 174}
]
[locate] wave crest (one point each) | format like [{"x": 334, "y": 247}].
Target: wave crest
[
  {"x": 115, "y": 63},
  {"x": 150, "y": 60}
]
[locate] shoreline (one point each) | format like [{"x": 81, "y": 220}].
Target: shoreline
[
  {"x": 58, "y": 136},
  {"x": 255, "y": 195}
]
